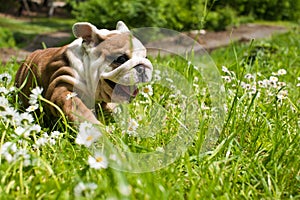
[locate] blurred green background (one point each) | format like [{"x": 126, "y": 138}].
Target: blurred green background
[
  {"x": 183, "y": 15},
  {"x": 180, "y": 15}
]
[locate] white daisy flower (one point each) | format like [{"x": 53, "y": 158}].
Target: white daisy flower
[
  {"x": 225, "y": 69},
  {"x": 35, "y": 93},
  {"x": 132, "y": 126},
  {"x": 98, "y": 161},
  {"x": 26, "y": 157},
  {"x": 79, "y": 189},
  {"x": 87, "y": 134},
  {"x": 147, "y": 91},
  {"x": 227, "y": 78},
  {"x": 20, "y": 131},
  {"x": 273, "y": 78},
  {"x": 3, "y": 103},
  {"x": 25, "y": 132},
  {"x": 252, "y": 90},
  {"x": 43, "y": 140},
  {"x": 25, "y": 118},
  {"x": 83, "y": 187},
  {"x": 246, "y": 86},
  {"x": 5, "y": 77},
  {"x": 249, "y": 77},
  {"x": 8, "y": 150},
  {"x": 282, "y": 94},
  {"x": 71, "y": 95},
  {"x": 37, "y": 128},
  {"x": 52, "y": 141},
  {"x": 264, "y": 83},
  {"x": 273, "y": 81},
  {"x": 32, "y": 108},
  {"x": 281, "y": 84},
  {"x": 55, "y": 134},
  {"x": 11, "y": 114},
  {"x": 157, "y": 77},
  {"x": 11, "y": 89},
  {"x": 3, "y": 90},
  {"x": 273, "y": 84},
  {"x": 281, "y": 72},
  {"x": 8, "y": 146}
]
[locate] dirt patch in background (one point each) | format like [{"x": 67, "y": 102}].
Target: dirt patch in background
[
  {"x": 47, "y": 40},
  {"x": 208, "y": 41},
  {"x": 243, "y": 33}
]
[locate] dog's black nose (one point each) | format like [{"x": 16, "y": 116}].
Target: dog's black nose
[{"x": 140, "y": 69}]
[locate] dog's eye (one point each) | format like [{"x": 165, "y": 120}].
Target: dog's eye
[{"x": 121, "y": 59}]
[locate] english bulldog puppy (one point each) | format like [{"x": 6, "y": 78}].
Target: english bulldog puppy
[{"x": 99, "y": 66}]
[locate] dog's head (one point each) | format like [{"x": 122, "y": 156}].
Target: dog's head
[{"x": 113, "y": 61}]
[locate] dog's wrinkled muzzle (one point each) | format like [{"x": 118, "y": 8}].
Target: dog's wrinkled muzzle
[{"x": 131, "y": 72}]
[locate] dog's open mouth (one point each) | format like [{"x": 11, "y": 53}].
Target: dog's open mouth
[{"x": 128, "y": 91}]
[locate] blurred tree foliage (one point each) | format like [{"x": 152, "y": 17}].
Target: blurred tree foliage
[
  {"x": 179, "y": 15},
  {"x": 264, "y": 9},
  {"x": 183, "y": 14},
  {"x": 9, "y": 6},
  {"x": 175, "y": 14}
]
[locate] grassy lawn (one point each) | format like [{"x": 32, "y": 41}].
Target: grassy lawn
[
  {"x": 256, "y": 155},
  {"x": 23, "y": 31}
]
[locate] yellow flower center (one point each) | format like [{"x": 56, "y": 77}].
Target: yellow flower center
[
  {"x": 99, "y": 159},
  {"x": 146, "y": 90},
  {"x": 89, "y": 138}
]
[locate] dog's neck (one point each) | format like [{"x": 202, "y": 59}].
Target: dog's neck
[{"x": 86, "y": 68}]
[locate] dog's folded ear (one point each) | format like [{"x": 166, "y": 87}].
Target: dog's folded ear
[
  {"x": 89, "y": 33},
  {"x": 121, "y": 26},
  {"x": 84, "y": 30}
]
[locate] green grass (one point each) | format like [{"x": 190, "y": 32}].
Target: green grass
[
  {"x": 256, "y": 157},
  {"x": 23, "y": 31}
]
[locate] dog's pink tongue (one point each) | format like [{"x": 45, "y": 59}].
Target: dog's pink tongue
[
  {"x": 130, "y": 90},
  {"x": 135, "y": 92}
]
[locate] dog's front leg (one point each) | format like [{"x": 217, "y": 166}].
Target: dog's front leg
[{"x": 73, "y": 107}]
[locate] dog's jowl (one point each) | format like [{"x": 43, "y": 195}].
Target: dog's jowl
[{"x": 99, "y": 66}]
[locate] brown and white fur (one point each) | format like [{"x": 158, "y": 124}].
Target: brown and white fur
[{"x": 100, "y": 66}]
